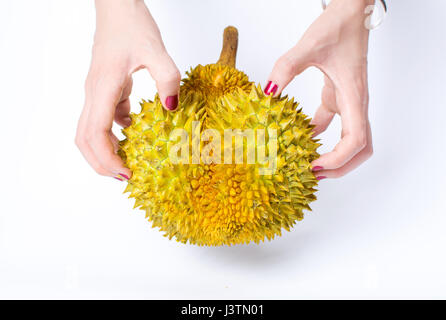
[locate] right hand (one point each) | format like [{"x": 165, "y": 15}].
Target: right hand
[
  {"x": 336, "y": 43},
  {"x": 127, "y": 39}
]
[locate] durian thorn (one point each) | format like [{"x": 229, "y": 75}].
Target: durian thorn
[{"x": 229, "y": 50}]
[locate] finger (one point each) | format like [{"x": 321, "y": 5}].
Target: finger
[
  {"x": 355, "y": 162},
  {"x": 322, "y": 119},
  {"x": 291, "y": 64},
  {"x": 83, "y": 145},
  {"x": 105, "y": 150},
  {"x": 354, "y": 130},
  {"x": 325, "y": 113},
  {"x": 167, "y": 78},
  {"x": 344, "y": 151},
  {"x": 107, "y": 94},
  {"x": 122, "y": 113},
  {"x": 123, "y": 108}
]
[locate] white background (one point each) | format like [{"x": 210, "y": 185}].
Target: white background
[{"x": 66, "y": 232}]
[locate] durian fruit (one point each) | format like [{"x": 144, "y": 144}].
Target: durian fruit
[{"x": 213, "y": 203}]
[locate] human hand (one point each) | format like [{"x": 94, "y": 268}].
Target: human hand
[
  {"x": 127, "y": 39},
  {"x": 337, "y": 44}
]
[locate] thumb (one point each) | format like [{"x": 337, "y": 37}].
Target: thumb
[
  {"x": 292, "y": 63},
  {"x": 167, "y": 77}
]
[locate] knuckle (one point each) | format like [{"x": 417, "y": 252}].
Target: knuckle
[
  {"x": 285, "y": 65},
  {"x": 154, "y": 47},
  {"x": 100, "y": 171},
  {"x": 170, "y": 76},
  {"x": 368, "y": 152},
  {"x": 79, "y": 141},
  {"x": 360, "y": 84},
  {"x": 338, "y": 161},
  {"x": 360, "y": 141},
  {"x": 111, "y": 71},
  {"x": 90, "y": 137},
  {"x": 174, "y": 75},
  {"x": 115, "y": 65},
  {"x": 339, "y": 173},
  {"x": 108, "y": 158}
]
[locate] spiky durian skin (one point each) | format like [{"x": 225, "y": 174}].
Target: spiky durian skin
[
  {"x": 213, "y": 81},
  {"x": 220, "y": 204}
]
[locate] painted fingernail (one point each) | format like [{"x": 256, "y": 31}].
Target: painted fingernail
[
  {"x": 121, "y": 175},
  {"x": 321, "y": 177},
  {"x": 128, "y": 121},
  {"x": 270, "y": 88},
  {"x": 268, "y": 85},
  {"x": 172, "y": 102},
  {"x": 317, "y": 168},
  {"x": 118, "y": 179}
]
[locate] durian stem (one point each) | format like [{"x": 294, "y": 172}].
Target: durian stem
[{"x": 229, "y": 50}]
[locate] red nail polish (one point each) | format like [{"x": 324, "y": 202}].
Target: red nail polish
[
  {"x": 172, "y": 102},
  {"x": 317, "y": 168},
  {"x": 124, "y": 176},
  {"x": 274, "y": 89},
  {"x": 321, "y": 177},
  {"x": 117, "y": 179},
  {"x": 268, "y": 90}
]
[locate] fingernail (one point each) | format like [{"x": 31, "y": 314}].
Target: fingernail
[
  {"x": 267, "y": 87},
  {"x": 118, "y": 179},
  {"x": 172, "y": 102},
  {"x": 270, "y": 88},
  {"x": 121, "y": 175},
  {"x": 317, "y": 168},
  {"x": 321, "y": 177},
  {"x": 128, "y": 120}
]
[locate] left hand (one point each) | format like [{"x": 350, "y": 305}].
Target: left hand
[{"x": 337, "y": 44}]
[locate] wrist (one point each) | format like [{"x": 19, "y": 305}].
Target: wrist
[
  {"x": 350, "y": 13},
  {"x": 114, "y": 2},
  {"x": 113, "y": 5},
  {"x": 353, "y": 7},
  {"x": 110, "y": 12}
]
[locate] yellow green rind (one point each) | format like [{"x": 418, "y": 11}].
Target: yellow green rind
[{"x": 220, "y": 204}]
